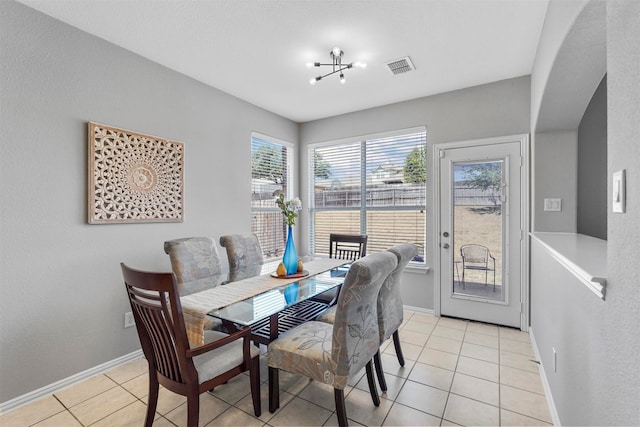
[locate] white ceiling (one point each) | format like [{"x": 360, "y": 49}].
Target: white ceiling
[{"x": 256, "y": 50}]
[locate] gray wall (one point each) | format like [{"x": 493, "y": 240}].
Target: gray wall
[
  {"x": 61, "y": 294},
  {"x": 598, "y": 378},
  {"x": 489, "y": 110},
  {"x": 592, "y": 166}
]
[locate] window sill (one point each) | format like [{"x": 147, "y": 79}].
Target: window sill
[
  {"x": 584, "y": 256},
  {"x": 417, "y": 269}
]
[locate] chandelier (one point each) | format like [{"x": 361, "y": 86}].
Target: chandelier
[{"x": 336, "y": 64}]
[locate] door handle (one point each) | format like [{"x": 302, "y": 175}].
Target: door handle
[{"x": 445, "y": 246}]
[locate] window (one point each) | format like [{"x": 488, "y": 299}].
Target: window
[
  {"x": 371, "y": 186},
  {"x": 271, "y": 170}
]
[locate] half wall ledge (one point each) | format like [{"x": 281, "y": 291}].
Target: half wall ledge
[{"x": 584, "y": 256}]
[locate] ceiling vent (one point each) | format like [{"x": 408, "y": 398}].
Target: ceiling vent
[{"x": 400, "y": 66}]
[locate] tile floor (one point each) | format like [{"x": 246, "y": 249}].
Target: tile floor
[{"x": 456, "y": 373}]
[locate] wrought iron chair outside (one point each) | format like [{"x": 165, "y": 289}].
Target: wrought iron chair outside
[
  {"x": 333, "y": 353},
  {"x": 477, "y": 257},
  {"x": 172, "y": 362}
]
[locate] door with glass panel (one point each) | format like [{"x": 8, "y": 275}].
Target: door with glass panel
[{"x": 480, "y": 231}]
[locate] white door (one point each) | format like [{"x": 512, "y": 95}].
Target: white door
[{"x": 482, "y": 218}]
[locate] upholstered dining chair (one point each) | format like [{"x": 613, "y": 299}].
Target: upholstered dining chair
[
  {"x": 193, "y": 258},
  {"x": 183, "y": 370},
  {"x": 243, "y": 251},
  {"x": 390, "y": 308},
  {"x": 333, "y": 353}
]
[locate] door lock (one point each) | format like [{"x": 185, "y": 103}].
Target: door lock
[{"x": 445, "y": 246}]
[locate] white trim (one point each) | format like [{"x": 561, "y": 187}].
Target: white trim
[
  {"x": 524, "y": 219},
  {"x": 418, "y": 309},
  {"x": 358, "y": 138},
  {"x": 545, "y": 382},
  {"x": 32, "y": 396}
]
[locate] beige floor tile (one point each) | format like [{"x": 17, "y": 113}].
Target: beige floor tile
[
  {"x": 85, "y": 390},
  {"x": 234, "y": 390},
  {"x": 438, "y": 358},
  {"x": 514, "y": 334},
  {"x": 519, "y": 361},
  {"x": 300, "y": 412},
  {"x": 516, "y": 346},
  {"x": 129, "y": 370},
  {"x": 167, "y": 401},
  {"x": 100, "y": 406},
  {"x": 412, "y": 337},
  {"x": 468, "y": 412},
  {"x": 246, "y": 403},
  {"x": 479, "y": 352},
  {"x": 390, "y": 365},
  {"x": 360, "y": 408},
  {"x": 322, "y": 394},
  {"x": 476, "y": 388},
  {"x": 401, "y": 415},
  {"x": 482, "y": 328},
  {"x": 448, "y": 423},
  {"x": 32, "y": 413},
  {"x": 210, "y": 408},
  {"x": 481, "y": 339},
  {"x": 132, "y": 415},
  {"x": 508, "y": 418},
  {"x": 416, "y": 326},
  {"x": 235, "y": 417},
  {"x": 478, "y": 368},
  {"x": 424, "y": 318},
  {"x": 432, "y": 375},
  {"x": 292, "y": 383},
  {"x": 333, "y": 421},
  {"x": 409, "y": 351},
  {"x": 444, "y": 344},
  {"x": 520, "y": 378},
  {"x": 524, "y": 402},
  {"x": 445, "y": 332},
  {"x": 423, "y": 397},
  {"x": 394, "y": 385},
  {"x": 453, "y": 323},
  {"x": 139, "y": 386},
  {"x": 60, "y": 419}
]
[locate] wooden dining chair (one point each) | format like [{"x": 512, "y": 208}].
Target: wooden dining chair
[
  {"x": 334, "y": 353},
  {"x": 172, "y": 362}
]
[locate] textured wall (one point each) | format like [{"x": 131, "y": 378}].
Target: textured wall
[{"x": 61, "y": 294}]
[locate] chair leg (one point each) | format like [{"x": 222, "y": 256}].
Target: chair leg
[
  {"x": 396, "y": 344},
  {"x": 274, "y": 389},
  {"x": 254, "y": 380},
  {"x": 341, "y": 409},
  {"x": 193, "y": 407},
  {"x": 372, "y": 384},
  {"x": 152, "y": 401},
  {"x": 379, "y": 371}
]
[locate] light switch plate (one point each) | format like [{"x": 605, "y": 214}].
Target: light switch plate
[
  {"x": 552, "y": 205},
  {"x": 618, "y": 191}
]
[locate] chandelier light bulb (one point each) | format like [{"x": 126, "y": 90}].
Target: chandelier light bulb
[
  {"x": 336, "y": 51},
  {"x": 359, "y": 64},
  {"x": 342, "y": 79},
  {"x": 337, "y": 66},
  {"x": 309, "y": 64},
  {"x": 312, "y": 81}
]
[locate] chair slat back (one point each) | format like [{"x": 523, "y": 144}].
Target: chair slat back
[
  {"x": 475, "y": 253},
  {"x": 347, "y": 246},
  {"x": 159, "y": 321},
  {"x": 355, "y": 329}
]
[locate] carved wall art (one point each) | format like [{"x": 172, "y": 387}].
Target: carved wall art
[{"x": 133, "y": 177}]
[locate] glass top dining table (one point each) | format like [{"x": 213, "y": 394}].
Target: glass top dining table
[{"x": 275, "y": 310}]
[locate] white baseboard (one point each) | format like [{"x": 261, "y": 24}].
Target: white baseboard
[
  {"x": 32, "y": 396},
  {"x": 418, "y": 309},
  {"x": 545, "y": 383}
]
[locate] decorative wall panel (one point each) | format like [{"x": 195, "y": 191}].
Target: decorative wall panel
[{"x": 133, "y": 177}]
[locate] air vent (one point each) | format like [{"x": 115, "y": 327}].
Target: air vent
[{"x": 400, "y": 66}]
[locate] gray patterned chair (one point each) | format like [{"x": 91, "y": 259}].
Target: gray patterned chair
[
  {"x": 193, "y": 258},
  {"x": 390, "y": 308},
  {"x": 243, "y": 251},
  {"x": 333, "y": 353}
]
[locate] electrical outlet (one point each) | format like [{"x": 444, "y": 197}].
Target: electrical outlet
[
  {"x": 128, "y": 320},
  {"x": 555, "y": 359}
]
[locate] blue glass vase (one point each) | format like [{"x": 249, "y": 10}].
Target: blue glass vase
[
  {"x": 290, "y": 257},
  {"x": 291, "y": 293}
]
